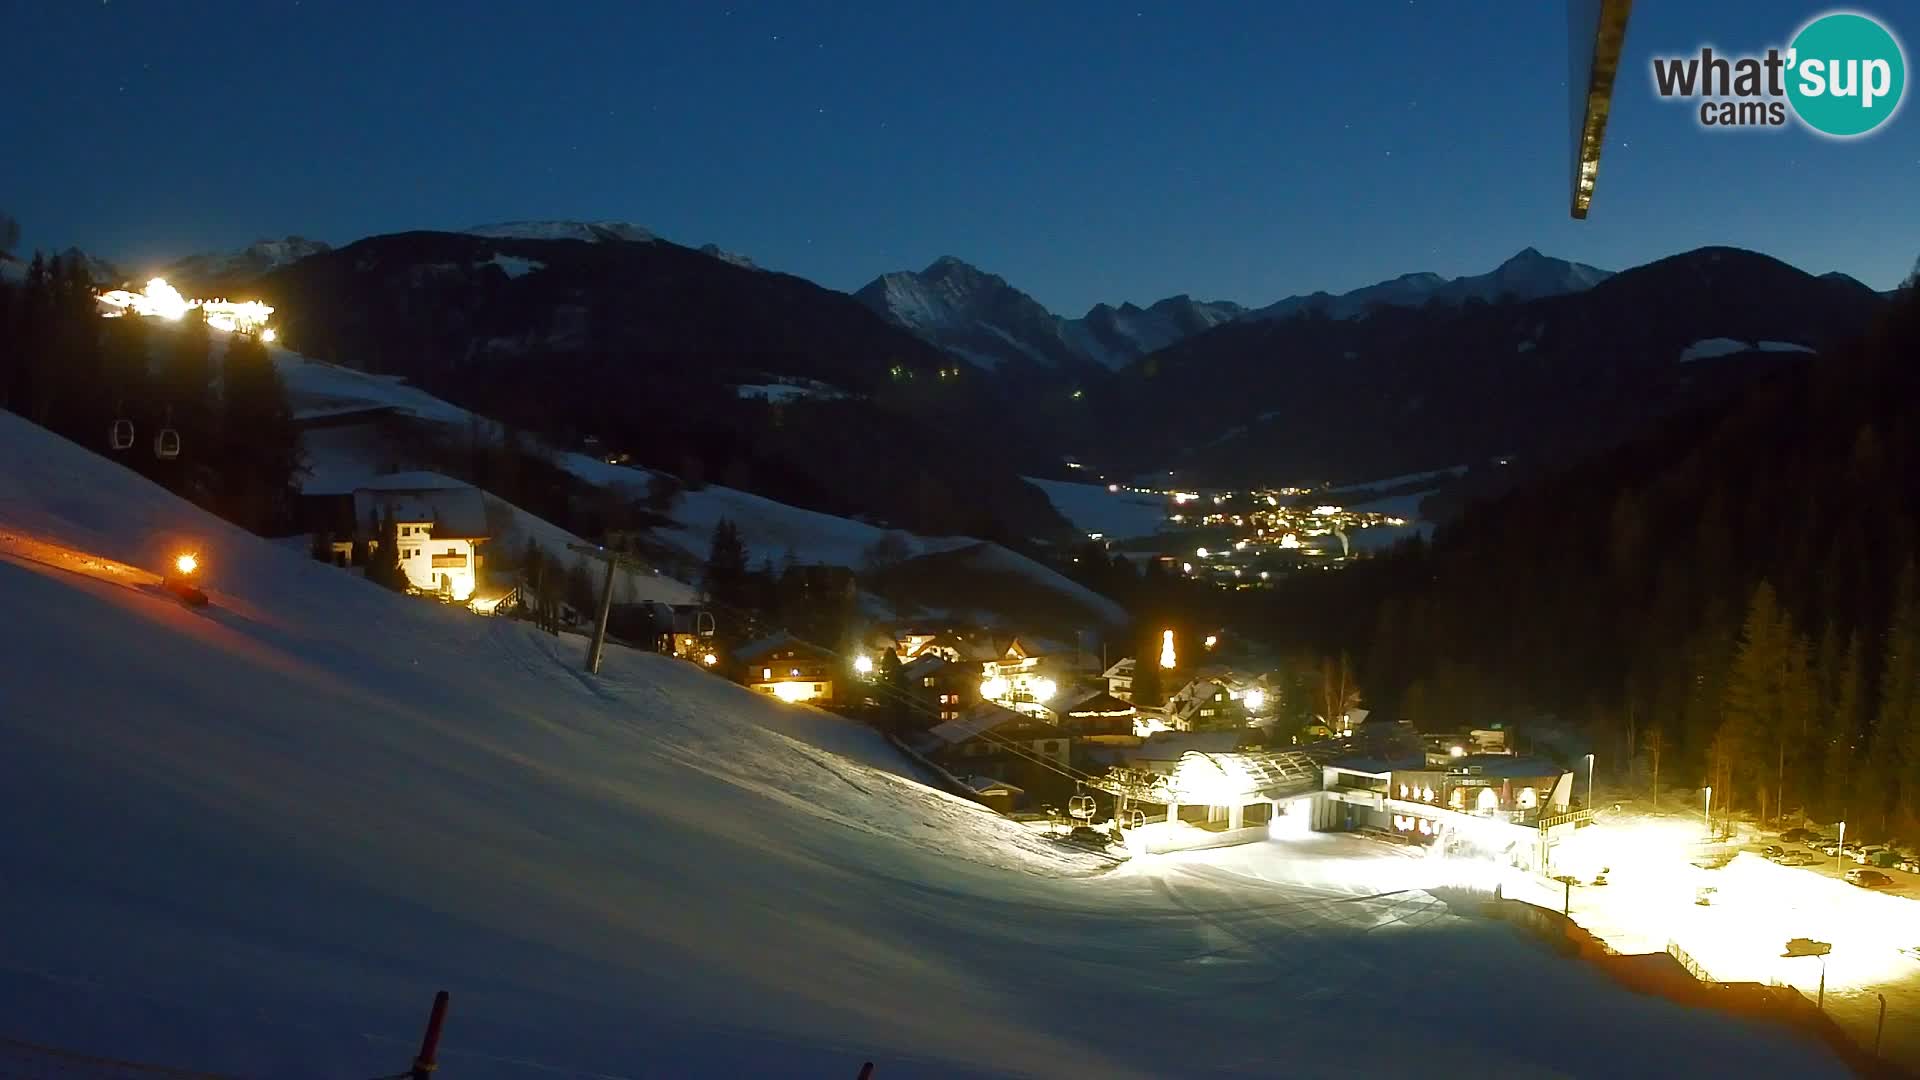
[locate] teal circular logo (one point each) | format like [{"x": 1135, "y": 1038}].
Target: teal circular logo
[{"x": 1846, "y": 74}]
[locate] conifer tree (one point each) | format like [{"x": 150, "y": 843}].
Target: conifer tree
[{"x": 385, "y": 569}]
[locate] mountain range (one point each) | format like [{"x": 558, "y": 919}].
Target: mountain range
[
  {"x": 921, "y": 398},
  {"x": 979, "y": 317}
]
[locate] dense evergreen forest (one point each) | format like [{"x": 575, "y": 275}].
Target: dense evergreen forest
[
  {"x": 234, "y": 449},
  {"x": 1731, "y": 601}
]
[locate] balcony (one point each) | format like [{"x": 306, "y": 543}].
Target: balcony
[{"x": 449, "y": 562}]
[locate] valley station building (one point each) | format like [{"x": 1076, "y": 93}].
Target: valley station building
[{"x": 1470, "y": 798}]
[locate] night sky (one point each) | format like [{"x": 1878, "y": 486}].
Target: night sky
[{"x": 1085, "y": 151}]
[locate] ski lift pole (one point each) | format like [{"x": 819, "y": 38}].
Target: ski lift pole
[{"x": 612, "y": 559}]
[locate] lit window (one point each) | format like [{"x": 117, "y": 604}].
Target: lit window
[
  {"x": 1403, "y": 791},
  {"x": 766, "y": 673},
  {"x": 1528, "y": 798},
  {"x": 1488, "y": 800}
]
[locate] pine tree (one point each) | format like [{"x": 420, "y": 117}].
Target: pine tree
[
  {"x": 1844, "y": 736},
  {"x": 185, "y": 394},
  {"x": 261, "y": 446},
  {"x": 896, "y": 709},
  {"x": 580, "y": 590},
  {"x": 385, "y": 569},
  {"x": 1897, "y": 729},
  {"x": 1755, "y": 705},
  {"x": 726, "y": 573}
]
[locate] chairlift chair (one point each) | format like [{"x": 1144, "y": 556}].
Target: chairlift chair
[
  {"x": 166, "y": 445},
  {"x": 120, "y": 435},
  {"x": 1136, "y": 819}
]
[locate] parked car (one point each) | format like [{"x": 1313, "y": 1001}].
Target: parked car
[
  {"x": 1817, "y": 842},
  {"x": 1773, "y": 851},
  {"x": 1910, "y": 864},
  {"x": 1865, "y": 856},
  {"x": 1797, "y": 858},
  {"x": 1869, "y": 879},
  {"x": 1797, "y": 836}
]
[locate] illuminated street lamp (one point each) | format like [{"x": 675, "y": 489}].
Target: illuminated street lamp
[
  {"x": 1709, "y": 814},
  {"x": 1840, "y": 850},
  {"x": 863, "y": 664},
  {"x": 1167, "y": 658},
  {"x": 1590, "y": 764}
]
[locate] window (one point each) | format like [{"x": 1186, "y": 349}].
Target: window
[
  {"x": 766, "y": 673},
  {"x": 928, "y": 681}
]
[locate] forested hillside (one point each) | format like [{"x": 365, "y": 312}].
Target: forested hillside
[{"x": 1732, "y": 601}]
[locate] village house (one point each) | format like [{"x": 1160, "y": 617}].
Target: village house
[
  {"x": 1099, "y": 719},
  {"x": 992, "y": 739},
  {"x": 440, "y": 524},
  {"x": 1120, "y": 679},
  {"x": 1205, "y": 704},
  {"x": 1024, "y": 678},
  {"x": 785, "y": 667},
  {"x": 944, "y": 688}
]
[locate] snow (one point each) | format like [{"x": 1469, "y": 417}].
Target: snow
[
  {"x": 996, "y": 559},
  {"x": 768, "y": 528},
  {"x": 317, "y": 388},
  {"x": 514, "y": 266},
  {"x": 1091, "y": 508},
  {"x": 1709, "y": 348},
  {"x": 328, "y": 801},
  {"x": 1784, "y": 346},
  {"x": 784, "y": 392},
  {"x": 590, "y": 231},
  {"x": 1757, "y": 905}
]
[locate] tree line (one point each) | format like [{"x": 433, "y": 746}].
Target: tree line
[
  {"x": 1730, "y": 601},
  {"x": 233, "y": 447}
]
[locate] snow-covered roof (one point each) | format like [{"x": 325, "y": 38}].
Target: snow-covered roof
[
  {"x": 457, "y": 513},
  {"x": 973, "y": 723},
  {"x": 1122, "y": 669},
  {"x": 923, "y": 666},
  {"x": 1100, "y": 703}
]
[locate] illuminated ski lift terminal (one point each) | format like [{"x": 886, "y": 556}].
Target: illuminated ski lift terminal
[{"x": 162, "y": 301}]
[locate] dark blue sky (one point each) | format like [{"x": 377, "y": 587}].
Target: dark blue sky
[{"x": 1086, "y": 151}]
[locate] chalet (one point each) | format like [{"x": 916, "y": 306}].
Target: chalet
[
  {"x": 1023, "y": 678},
  {"x": 1205, "y": 704},
  {"x": 788, "y": 668},
  {"x": 1120, "y": 679},
  {"x": 945, "y": 688},
  {"x": 1101, "y": 719},
  {"x": 990, "y": 733},
  {"x": 440, "y": 525}
]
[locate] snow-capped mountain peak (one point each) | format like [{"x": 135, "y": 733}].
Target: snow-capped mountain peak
[
  {"x": 595, "y": 232},
  {"x": 1527, "y": 275},
  {"x": 251, "y": 261}
]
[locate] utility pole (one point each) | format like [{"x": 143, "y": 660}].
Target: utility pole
[{"x": 612, "y": 559}]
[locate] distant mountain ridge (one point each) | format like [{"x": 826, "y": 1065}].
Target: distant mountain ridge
[
  {"x": 1414, "y": 387},
  {"x": 1528, "y": 275},
  {"x": 982, "y": 319}
]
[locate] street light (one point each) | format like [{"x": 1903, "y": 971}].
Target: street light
[
  {"x": 1590, "y": 764},
  {"x": 1709, "y": 813},
  {"x": 1840, "y": 851}
]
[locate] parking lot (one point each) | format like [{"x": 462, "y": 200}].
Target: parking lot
[{"x": 1733, "y": 910}]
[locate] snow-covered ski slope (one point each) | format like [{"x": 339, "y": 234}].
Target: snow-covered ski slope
[{"x": 254, "y": 838}]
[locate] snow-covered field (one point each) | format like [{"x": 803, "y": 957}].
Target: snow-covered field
[
  {"x": 255, "y": 838},
  {"x": 1115, "y": 515}
]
